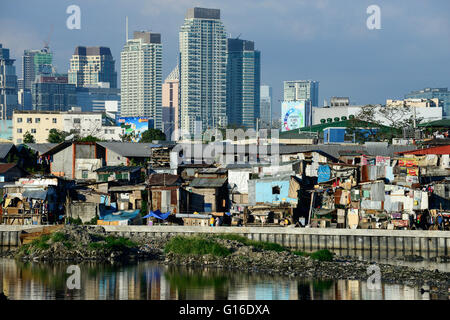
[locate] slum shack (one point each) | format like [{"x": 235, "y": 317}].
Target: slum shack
[
  {"x": 208, "y": 195},
  {"x": 32, "y": 202},
  {"x": 127, "y": 197},
  {"x": 166, "y": 194},
  {"x": 272, "y": 199},
  {"x": 197, "y": 220},
  {"x": 85, "y": 204},
  {"x": 130, "y": 174}
]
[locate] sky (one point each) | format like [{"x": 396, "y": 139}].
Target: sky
[{"x": 323, "y": 40}]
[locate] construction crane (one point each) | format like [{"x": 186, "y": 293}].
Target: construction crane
[{"x": 47, "y": 43}]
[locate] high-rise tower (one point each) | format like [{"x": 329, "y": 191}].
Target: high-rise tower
[{"x": 203, "y": 66}]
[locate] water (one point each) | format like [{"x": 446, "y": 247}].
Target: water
[{"x": 153, "y": 281}]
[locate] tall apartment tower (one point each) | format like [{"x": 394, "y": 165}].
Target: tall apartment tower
[
  {"x": 91, "y": 65},
  {"x": 265, "y": 112},
  {"x": 141, "y": 77},
  {"x": 243, "y": 83},
  {"x": 170, "y": 102},
  {"x": 302, "y": 90},
  {"x": 203, "y": 68},
  {"x": 34, "y": 63},
  {"x": 8, "y": 85}
]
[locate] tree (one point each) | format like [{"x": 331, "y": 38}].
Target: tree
[
  {"x": 152, "y": 134},
  {"x": 28, "y": 138},
  {"x": 380, "y": 123},
  {"x": 56, "y": 136},
  {"x": 89, "y": 138}
]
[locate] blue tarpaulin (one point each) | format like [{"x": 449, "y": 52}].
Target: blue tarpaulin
[
  {"x": 324, "y": 173},
  {"x": 121, "y": 215},
  {"x": 158, "y": 214}
]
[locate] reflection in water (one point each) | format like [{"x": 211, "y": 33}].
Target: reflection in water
[{"x": 152, "y": 281}]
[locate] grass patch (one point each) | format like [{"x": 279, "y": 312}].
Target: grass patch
[
  {"x": 58, "y": 237},
  {"x": 112, "y": 243},
  {"x": 40, "y": 243},
  {"x": 270, "y": 246},
  {"x": 195, "y": 245},
  {"x": 301, "y": 253},
  {"x": 95, "y": 245},
  {"x": 322, "y": 255},
  {"x": 119, "y": 243}
]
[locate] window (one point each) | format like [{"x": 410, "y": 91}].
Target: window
[
  {"x": 19, "y": 130},
  {"x": 29, "y": 120},
  {"x": 33, "y": 130},
  {"x": 54, "y": 120},
  {"x": 276, "y": 190},
  {"x": 76, "y": 120},
  {"x": 19, "y": 120},
  {"x": 37, "y": 120},
  {"x": 84, "y": 174}
]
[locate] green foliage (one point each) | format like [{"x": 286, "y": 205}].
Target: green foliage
[
  {"x": 58, "y": 237},
  {"x": 41, "y": 242},
  {"x": 195, "y": 246},
  {"x": 76, "y": 221},
  {"x": 120, "y": 243},
  {"x": 301, "y": 253},
  {"x": 152, "y": 134},
  {"x": 322, "y": 255},
  {"x": 56, "y": 136},
  {"x": 270, "y": 246},
  {"x": 89, "y": 138},
  {"x": 112, "y": 243},
  {"x": 93, "y": 221},
  {"x": 28, "y": 138},
  {"x": 95, "y": 245}
]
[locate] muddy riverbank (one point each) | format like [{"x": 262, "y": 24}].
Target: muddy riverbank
[{"x": 76, "y": 243}]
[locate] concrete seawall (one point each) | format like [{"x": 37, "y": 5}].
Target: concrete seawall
[
  {"x": 399, "y": 242},
  {"x": 389, "y": 242},
  {"x": 10, "y": 235}
]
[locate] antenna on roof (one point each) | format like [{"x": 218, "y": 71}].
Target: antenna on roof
[
  {"x": 238, "y": 36},
  {"x": 126, "y": 27}
]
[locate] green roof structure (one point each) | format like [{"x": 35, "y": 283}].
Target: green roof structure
[{"x": 443, "y": 123}]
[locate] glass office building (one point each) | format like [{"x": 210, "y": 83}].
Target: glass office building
[
  {"x": 243, "y": 83},
  {"x": 434, "y": 93}
]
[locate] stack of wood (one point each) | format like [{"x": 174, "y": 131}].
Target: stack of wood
[{"x": 160, "y": 157}]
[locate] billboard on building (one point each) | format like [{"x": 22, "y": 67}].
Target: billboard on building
[
  {"x": 295, "y": 114},
  {"x": 135, "y": 126}
]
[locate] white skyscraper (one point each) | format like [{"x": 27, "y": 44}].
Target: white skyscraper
[
  {"x": 265, "y": 112},
  {"x": 141, "y": 77},
  {"x": 203, "y": 68}
]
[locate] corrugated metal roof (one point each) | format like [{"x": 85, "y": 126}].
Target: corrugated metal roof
[
  {"x": 207, "y": 183},
  {"x": 5, "y": 148},
  {"x": 432, "y": 150},
  {"x": 118, "y": 169},
  {"x": 130, "y": 149},
  {"x": 41, "y": 147},
  {"x": 164, "y": 179},
  {"x": 4, "y": 167}
]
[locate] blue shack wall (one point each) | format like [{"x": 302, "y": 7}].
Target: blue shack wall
[{"x": 263, "y": 191}]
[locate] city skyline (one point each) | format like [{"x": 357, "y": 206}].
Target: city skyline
[{"x": 347, "y": 71}]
